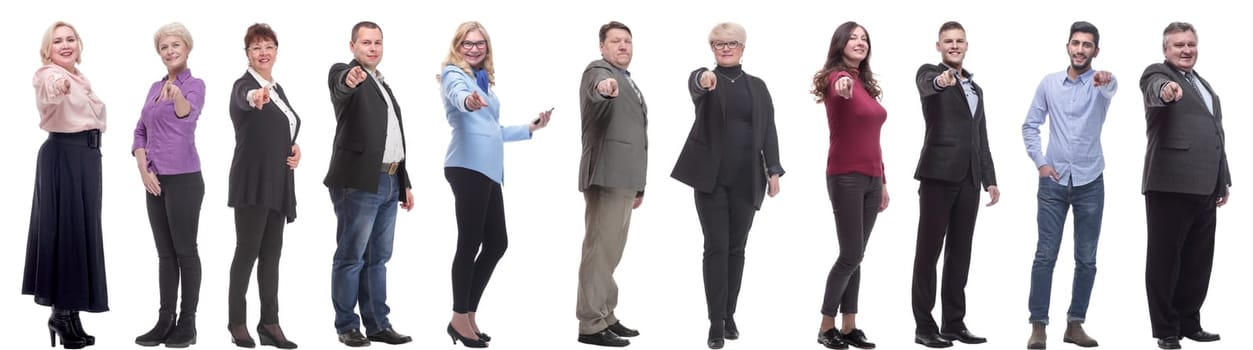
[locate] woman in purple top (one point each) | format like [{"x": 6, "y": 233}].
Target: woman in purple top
[{"x": 165, "y": 151}]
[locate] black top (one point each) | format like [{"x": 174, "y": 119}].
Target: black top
[
  {"x": 738, "y": 114},
  {"x": 263, "y": 141}
]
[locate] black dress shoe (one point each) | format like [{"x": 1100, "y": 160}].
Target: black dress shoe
[
  {"x": 1169, "y": 343},
  {"x": 272, "y": 339},
  {"x": 354, "y": 338},
  {"x": 857, "y": 339},
  {"x": 964, "y": 336},
  {"x": 484, "y": 336},
  {"x": 622, "y": 331},
  {"x": 1203, "y": 336},
  {"x": 717, "y": 334},
  {"x": 388, "y": 335},
  {"x": 604, "y": 338},
  {"x": 716, "y": 343},
  {"x": 469, "y": 343},
  {"x": 731, "y": 332},
  {"x": 932, "y": 340},
  {"x": 831, "y": 339}
]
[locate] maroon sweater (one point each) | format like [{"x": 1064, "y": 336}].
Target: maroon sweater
[{"x": 854, "y": 124}]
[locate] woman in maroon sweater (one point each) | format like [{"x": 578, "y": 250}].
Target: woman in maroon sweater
[{"x": 855, "y": 179}]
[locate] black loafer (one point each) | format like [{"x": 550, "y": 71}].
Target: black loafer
[
  {"x": 622, "y": 331},
  {"x": 604, "y": 338},
  {"x": 388, "y": 335},
  {"x": 1169, "y": 343},
  {"x": 1203, "y": 336},
  {"x": 964, "y": 336},
  {"x": 932, "y": 340}
]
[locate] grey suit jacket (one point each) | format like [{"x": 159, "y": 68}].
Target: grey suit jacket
[
  {"x": 615, "y": 142},
  {"x": 1186, "y": 151}
]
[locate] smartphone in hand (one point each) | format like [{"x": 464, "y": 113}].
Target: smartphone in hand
[{"x": 536, "y": 121}]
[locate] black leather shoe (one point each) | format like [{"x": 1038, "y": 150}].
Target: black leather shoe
[
  {"x": 964, "y": 336},
  {"x": 716, "y": 343},
  {"x": 1203, "y": 336},
  {"x": 469, "y": 343},
  {"x": 158, "y": 333},
  {"x": 932, "y": 340},
  {"x": 717, "y": 334},
  {"x": 354, "y": 339},
  {"x": 857, "y": 339},
  {"x": 274, "y": 340},
  {"x": 388, "y": 335},
  {"x": 731, "y": 331},
  {"x": 604, "y": 338},
  {"x": 622, "y": 331},
  {"x": 831, "y": 339},
  {"x": 484, "y": 336},
  {"x": 78, "y": 327},
  {"x": 61, "y": 326},
  {"x": 1169, "y": 343}
]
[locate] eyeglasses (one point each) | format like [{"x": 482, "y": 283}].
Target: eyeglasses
[
  {"x": 473, "y": 44},
  {"x": 725, "y": 44}
]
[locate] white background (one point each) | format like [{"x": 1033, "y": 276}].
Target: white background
[{"x": 540, "y": 51}]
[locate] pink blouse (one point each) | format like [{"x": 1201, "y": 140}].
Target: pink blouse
[{"x": 78, "y": 110}]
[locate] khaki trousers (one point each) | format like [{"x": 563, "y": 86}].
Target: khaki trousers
[{"x": 608, "y": 217}]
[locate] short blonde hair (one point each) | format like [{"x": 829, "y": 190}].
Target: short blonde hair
[
  {"x": 731, "y": 29},
  {"x": 454, "y": 55},
  {"x": 172, "y": 29},
  {"x": 45, "y": 51}
]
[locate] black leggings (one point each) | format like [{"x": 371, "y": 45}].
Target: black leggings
[
  {"x": 855, "y": 200},
  {"x": 258, "y": 238},
  {"x": 175, "y": 220},
  {"x": 480, "y": 222}
]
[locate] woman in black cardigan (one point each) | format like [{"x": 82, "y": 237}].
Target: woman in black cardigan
[
  {"x": 262, "y": 186},
  {"x": 730, "y": 158}
]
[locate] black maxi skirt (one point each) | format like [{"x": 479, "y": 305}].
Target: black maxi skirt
[{"x": 64, "y": 251}]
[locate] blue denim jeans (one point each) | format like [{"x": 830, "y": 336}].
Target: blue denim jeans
[
  {"x": 366, "y": 223},
  {"x": 1054, "y": 201}
]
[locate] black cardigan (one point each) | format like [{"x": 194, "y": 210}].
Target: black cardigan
[{"x": 259, "y": 173}]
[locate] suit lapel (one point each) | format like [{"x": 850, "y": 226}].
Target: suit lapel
[{"x": 279, "y": 88}]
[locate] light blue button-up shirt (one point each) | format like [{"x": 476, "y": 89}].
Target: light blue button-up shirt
[{"x": 1076, "y": 112}]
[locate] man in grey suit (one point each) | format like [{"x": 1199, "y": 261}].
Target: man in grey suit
[
  {"x": 611, "y": 177},
  {"x": 1185, "y": 179}
]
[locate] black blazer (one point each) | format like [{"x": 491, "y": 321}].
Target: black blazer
[
  {"x": 1186, "y": 152},
  {"x": 360, "y": 133},
  {"x": 698, "y": 166},
  {"x": 956, "y": 143},
  {"x": 259, "y": 173}
]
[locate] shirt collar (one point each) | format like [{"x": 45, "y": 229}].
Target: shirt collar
[
  {"x": 259, "y": 78},
  {"x": 182, "y": 76},
  {"x": 965, "y": 73},
  {"x": 1083, "y": 78}
]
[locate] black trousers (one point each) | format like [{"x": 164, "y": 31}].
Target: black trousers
[
  {"x": 725, "y": 215},
  {"x": 175, "y": 220},
  {"x": 481, "y": 235},
  {"x": 947, "y": 213},
  {"x": 258, "y": 238},
  {"x": 855, "y": 200},
  {"x": 1180, "y": 255}
]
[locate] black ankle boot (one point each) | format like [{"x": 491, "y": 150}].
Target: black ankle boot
[
  {"x": 184, "y": 334},
  {"x": 78, "y": 327},
  {"x": 158, "y": 333},
  {"x": 61, "y": 324}
]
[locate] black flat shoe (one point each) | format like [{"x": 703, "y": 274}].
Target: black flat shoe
[
  {"x": 831, "y": 339},
  {"x": 932, "y": 340},
  {"x": 469, "y": 343},
  {"x": 1168, "y": 343},
  {"x": 245, "y": 342},
  {"x": 622, "y": 331},
  {"x": 603, "y": 338},
  {"x": 1203, "y": 336},
  {"x": 963, "y": 336},
  {"x": 271, "y": 339},
  {"x": 730, "y": 330},
  {"x": 158, "y": 333},
  {"x": 389, "y": 336},
  {"x": 857, "y": 339}
]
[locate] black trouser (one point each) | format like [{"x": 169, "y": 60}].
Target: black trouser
[
  {"x": 175, "y": 220},
  {"x": 1180, "y": 255},
  {"x": 947, "y": 213},
  {"x": 855, "y": 200},
  {"x": 258, "y": 238},
  {"x": 725, "y": 215},
  {"x": 480, "y": 223}
]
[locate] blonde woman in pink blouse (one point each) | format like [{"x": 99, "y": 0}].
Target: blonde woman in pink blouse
[{"x": 64, "y": 253}]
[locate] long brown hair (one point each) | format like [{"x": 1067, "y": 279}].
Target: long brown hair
[{"x": 835, "y": 62}]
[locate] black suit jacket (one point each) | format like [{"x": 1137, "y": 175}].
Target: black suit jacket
[
  {"x": 956, "y": 143},
  {"x": 698, "y": 166},
  {"x": 1186, "y": 151},
  {"x": 263, "y": 141},
  {"x": 360, "y": 132}
]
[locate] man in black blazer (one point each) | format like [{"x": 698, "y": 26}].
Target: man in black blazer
[
  {"x": 1185, "y": 179},
  {"x": 955, "y": 162},
  {"x": 366, "y": 178}
]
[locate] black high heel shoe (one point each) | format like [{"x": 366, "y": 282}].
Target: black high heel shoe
[
  {"x": 268, "y": 338},
  {"x": 245, "y": 342},
  {"x": 78, "y": 327},
  {"x": 469, "y": 343},
  {"x": 484, "y": 336},
  {"x": 60, "y": 324}
]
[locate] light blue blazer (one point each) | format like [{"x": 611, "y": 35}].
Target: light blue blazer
[{"x": 478, "y": 139}]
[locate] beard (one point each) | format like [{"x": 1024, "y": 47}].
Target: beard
[{"x": 1082, "y": 66}]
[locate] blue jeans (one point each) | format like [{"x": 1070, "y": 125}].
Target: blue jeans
[
  {"x": 366, "y": 223},
  {"x": 1054, "y": 200}
]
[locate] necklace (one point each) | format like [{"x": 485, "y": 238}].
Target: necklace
[{"x": 730, "y": 78}]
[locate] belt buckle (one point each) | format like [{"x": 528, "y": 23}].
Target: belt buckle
[{"x": 391, "y": 168}]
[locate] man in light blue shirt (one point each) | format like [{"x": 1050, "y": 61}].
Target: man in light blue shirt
[{"x": 1075, "y": 102}]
